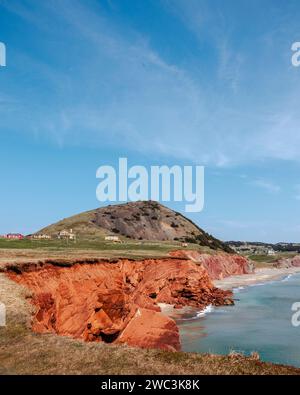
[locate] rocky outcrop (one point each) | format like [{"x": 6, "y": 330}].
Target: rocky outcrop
[
  {"x": 152, "y": 330},
  {"x": 116, "y": 302},
  {"x": 218, "y": 266},
  {"x": 288, "y": 262}
]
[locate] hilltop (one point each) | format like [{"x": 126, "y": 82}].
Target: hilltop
[{"x": 143, "y": 220}]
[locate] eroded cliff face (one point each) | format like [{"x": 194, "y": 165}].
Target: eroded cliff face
[
  {"x": 117, "y": 301},
  {"x": 288, "y": 262},
  {"x": 218, "y": 266}
]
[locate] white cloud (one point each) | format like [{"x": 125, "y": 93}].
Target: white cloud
[
  {"x": 266, "y": 185},
  {"x": 114, "y": 89}
]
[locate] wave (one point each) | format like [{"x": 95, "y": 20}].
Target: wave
[
  {"x": 279, "y": 280},
  {"x": 199, "y": 314},
  {"x": 286, "y": 278},
  {"x": 268, "y": 282},
  {"x": 237, "y": 289},
  {"x": 208, "y": 309}
]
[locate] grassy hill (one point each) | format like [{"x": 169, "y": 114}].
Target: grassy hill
[{"x": 144, "y": 220}]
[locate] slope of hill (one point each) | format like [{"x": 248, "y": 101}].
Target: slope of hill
[{"x": 143, "y": 220}]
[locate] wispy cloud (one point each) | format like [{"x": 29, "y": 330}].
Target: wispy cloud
[
  {"x": 230, "y": 65},
  {"x": 102, "y": 85},
  {"x": 266, "y": 185}
]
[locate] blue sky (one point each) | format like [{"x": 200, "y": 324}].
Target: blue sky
[{"x": 159, "y": 82}]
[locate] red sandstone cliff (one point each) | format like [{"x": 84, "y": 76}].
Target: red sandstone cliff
[
  {"x": 117, "y": 302},
  {"x": 218, "y": 266},
  {"x": 288, "y": 262}
]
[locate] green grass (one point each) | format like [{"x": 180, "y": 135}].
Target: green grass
[
  {"x": 263, "y": 258},
  {"x": 263, "y": 261},
  {"x": 79, "y": 244},
  {"x": 99, "y": 245}
]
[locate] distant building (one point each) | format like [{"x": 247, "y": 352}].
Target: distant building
[
  {"x": 15, "y": 236},
  {"x": 113, "y": 238},
  {"x": 67, "y": 235},
  {"x": 253, "y": 249},
  {"x": 41, "y": 237}
]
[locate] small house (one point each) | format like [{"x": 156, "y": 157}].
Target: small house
[
  {"x": 67, "y": 235},
  {"x": 113, "y": 238},
  {"x": 41, "y": 237},
  {"x": 15, "y": 236}
]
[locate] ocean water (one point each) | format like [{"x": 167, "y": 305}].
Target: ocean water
[{"x": 259, "y": 321}]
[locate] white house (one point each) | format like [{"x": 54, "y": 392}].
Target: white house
[
  {"x": 41, "y": 237},
  {"x": 113, "y": 238},
  {"x": 65, "y": 234}
]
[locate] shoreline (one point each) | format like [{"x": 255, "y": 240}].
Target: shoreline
[{"x": 260, "y": 275}]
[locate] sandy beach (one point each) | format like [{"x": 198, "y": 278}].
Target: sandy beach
[{"x": 260, "y": 275}]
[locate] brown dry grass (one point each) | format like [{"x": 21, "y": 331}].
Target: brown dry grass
[{"x": 25, "y": 352}]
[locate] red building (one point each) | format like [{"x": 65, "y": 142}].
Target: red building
[{"x": 17, "y": 236}]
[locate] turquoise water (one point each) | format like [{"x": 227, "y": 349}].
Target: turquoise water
[{"x": 260, "y": 321}]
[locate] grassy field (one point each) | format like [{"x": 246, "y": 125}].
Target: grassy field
[
  {"x": 269, "y": 260},
  {"x": 25, "y": 352},
  {"x": 83, "y": 244},
  {"x": 42, "y": 249}
]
